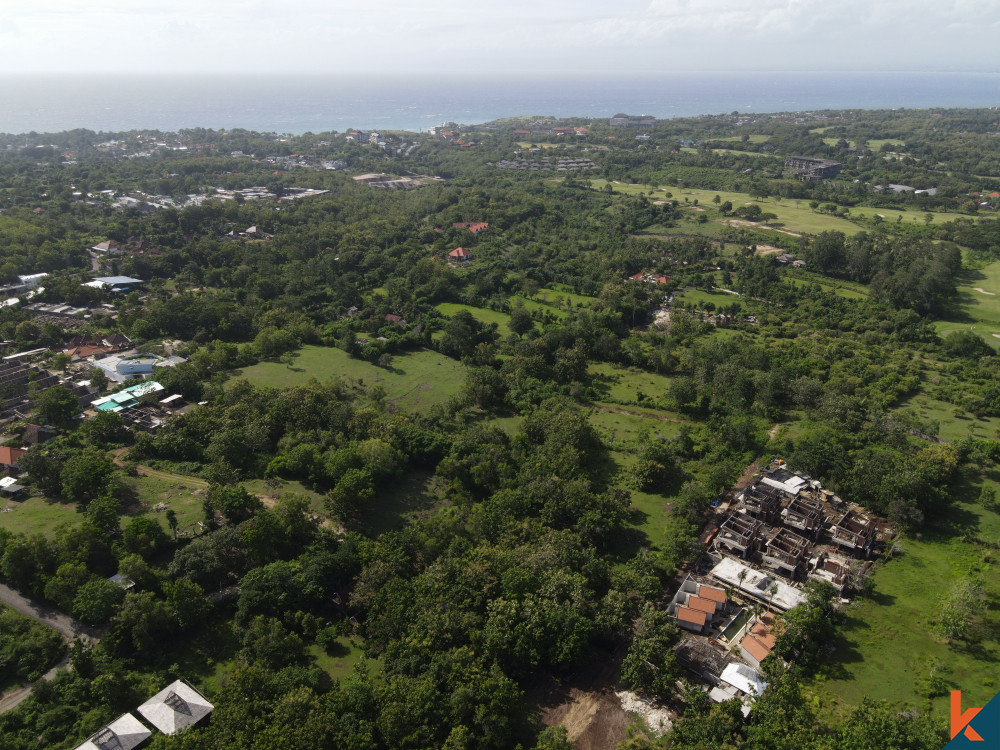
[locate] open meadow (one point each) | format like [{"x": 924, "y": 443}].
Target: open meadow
[{"x": 414, "y": 381}]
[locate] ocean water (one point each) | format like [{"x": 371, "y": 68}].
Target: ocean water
[{"x": 297, "y": 104}]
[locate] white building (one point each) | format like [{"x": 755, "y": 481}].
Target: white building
[
  {"x": 124, "y": 733},
  {"x": 176, "y": 707}
]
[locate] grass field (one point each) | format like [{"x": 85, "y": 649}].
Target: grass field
[
  {"x": 625, "y": 424},
  {"x": 756, "y": 138},
  {"x": 952, "y": 426},
  {"x": 979, "y": 305},
  {"x": 340, "y": 662},
  {"x": 414, "y": 381},
  {"x": 848, "y": 289},
  {"x": 794, "y": 216},
  {"x": 482, "y": 314},
  {"x": 876, "y": 143},
  {"x": 534, "y": 305},
  {"x": 563, "y": 298},
  {"x": 37, "y": 515},
  {"x": 699, "y": 298},
  {"x": 888, "y": 643},
  {"x": 624, "y": 385},
  {"x": 909, "y": 216}
]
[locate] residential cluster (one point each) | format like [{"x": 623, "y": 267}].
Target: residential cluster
[{"x": 767, "y": 540}]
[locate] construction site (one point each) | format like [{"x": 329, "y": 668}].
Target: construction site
[{"x": 768, "y": 537}]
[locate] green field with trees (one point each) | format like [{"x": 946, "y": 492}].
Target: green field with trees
[{"x": 409, "y": 501}]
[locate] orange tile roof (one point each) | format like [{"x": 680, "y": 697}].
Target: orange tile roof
[
  {"x": 710, "y": 592},
  {"x": 763, "y": 633},
  {"x": 690, "y": 615},
  {"x": 459, "y": 252},
  {"x": 9, "y": 456},
  {"x": 702, "y": 605},
  {"x": 755, "y": 648}
]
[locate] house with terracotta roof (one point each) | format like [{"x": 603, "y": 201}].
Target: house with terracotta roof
[
  {"x": 10, "y": 456},
  {"x": 650, "y": 278},
  {"x": 473, "y": 226},
  {"x": 691, "y": 619},
  {"x": 460, "y": 254},
  {"x": 695, "y": 597},
  {"x": 758, "y": 642}
]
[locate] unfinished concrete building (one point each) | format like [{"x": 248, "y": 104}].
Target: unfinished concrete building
[
  {"x": 786, "y": 552},
  {"x": 762, "y": 502},
  {"x": 702, "y": 658},
  {"x": 833, "y": 569},
  {"x": 739, "y": 535},
  {"x": 806, "y": 516},
  {"x": 854, "y": 533}
]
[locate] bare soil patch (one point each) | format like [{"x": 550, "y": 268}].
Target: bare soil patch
[
  {"x": 594, "y": 720},
  {"x": 769, "y": 250}
]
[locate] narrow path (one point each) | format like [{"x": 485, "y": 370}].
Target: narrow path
[{"x": 63, "y": 624}]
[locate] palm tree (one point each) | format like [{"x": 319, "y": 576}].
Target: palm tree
[{"x": 742, "y": 576}]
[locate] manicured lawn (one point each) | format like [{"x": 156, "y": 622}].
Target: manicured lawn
[
  {"x": 37, "y": 515},
  {"x": 482, "y": 314},
  {"x": 953, "y": 426},
  {"x": 909, "y": 216},
  {"x": 414, "y": 381},
  {"x": 793, "y": 215},
  {"x": 979, "y": 305}
]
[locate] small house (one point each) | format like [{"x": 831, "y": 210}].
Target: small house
[
  {"x": 176, "y": 707},
  {"x": 460, "y": 254},
  {"x": 108, "y": 247},
  {"x": 124, "y": 733}
]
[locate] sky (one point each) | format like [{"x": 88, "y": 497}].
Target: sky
[{"x": 527, "y": 37}]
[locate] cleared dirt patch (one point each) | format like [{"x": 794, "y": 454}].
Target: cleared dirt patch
[
  {"x": 769, "y": 250},
  {"x": 593, "y": 720}
]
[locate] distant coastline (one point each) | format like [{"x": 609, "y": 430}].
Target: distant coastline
[{"x": 297, "y": 104}]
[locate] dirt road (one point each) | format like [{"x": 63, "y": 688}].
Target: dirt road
[{"x": 63, "y": 624}]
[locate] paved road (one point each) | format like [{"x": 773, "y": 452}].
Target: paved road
[{"x": 66, "y": 626}]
